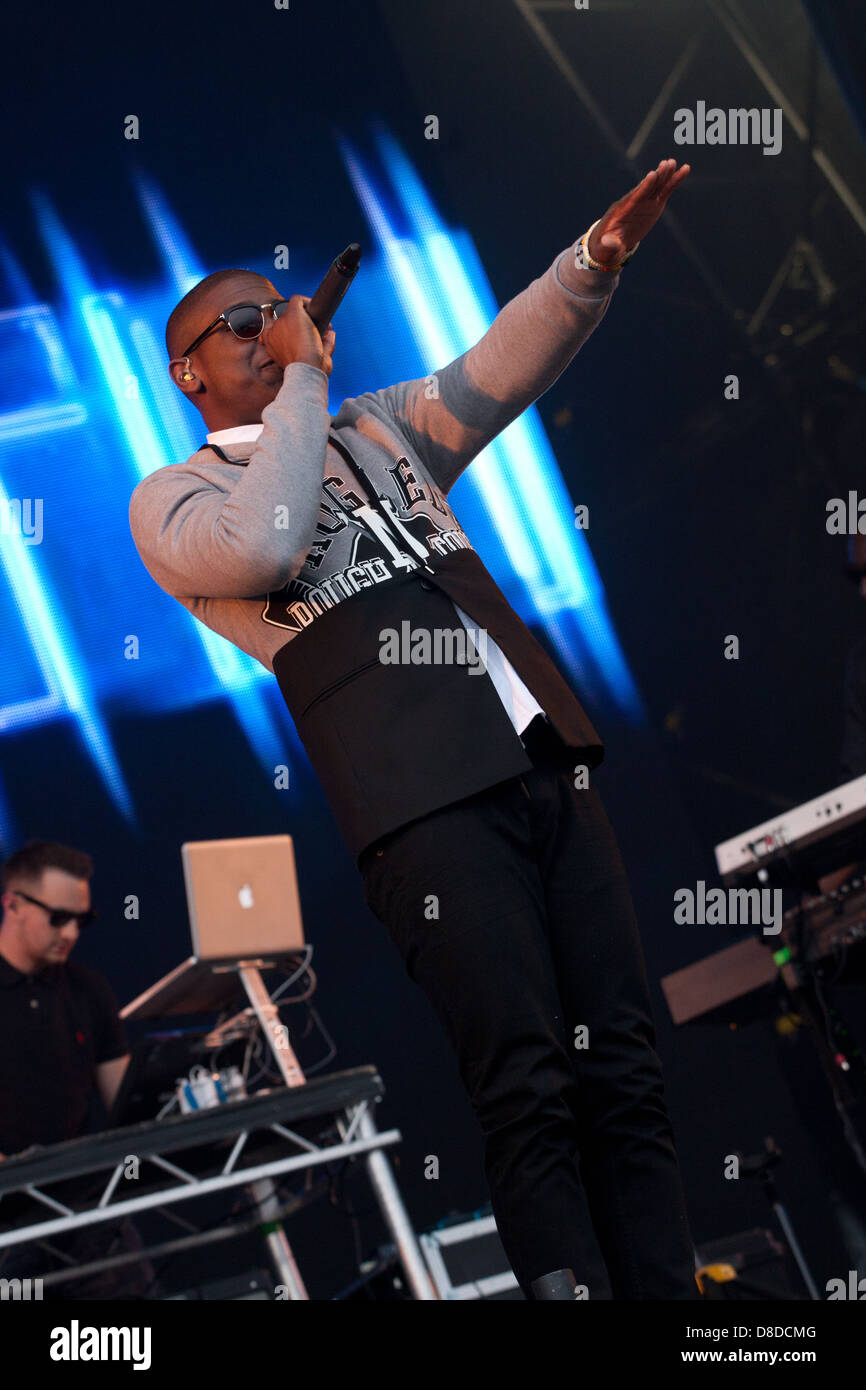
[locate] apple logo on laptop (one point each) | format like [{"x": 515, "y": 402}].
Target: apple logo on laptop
[{"x": 245, "y": 896}]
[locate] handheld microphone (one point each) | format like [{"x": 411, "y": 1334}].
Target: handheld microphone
[{"x": 329, "y": 296}]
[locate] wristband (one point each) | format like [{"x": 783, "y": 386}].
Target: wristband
[{"x": 584, "y": 261}]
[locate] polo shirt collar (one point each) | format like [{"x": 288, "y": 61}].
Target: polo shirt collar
[{"x": 10, "y": 975}]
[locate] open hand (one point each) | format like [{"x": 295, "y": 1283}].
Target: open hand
[{"x": 628, "y": 220}]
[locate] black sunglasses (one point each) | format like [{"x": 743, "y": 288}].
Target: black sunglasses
[
  {"x": 59, "y": 916},
  {"x": 244, "y": 320}
]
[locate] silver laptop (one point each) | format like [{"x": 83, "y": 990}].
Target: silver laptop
[
  {"x": 243, "y": 904},
  {"x": 242, "y": 897}
]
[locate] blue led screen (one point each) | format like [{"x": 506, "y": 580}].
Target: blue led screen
[{"x": 87, "y": 409}]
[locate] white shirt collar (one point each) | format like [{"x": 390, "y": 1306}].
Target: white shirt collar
[{"x": 238, "y": 434}]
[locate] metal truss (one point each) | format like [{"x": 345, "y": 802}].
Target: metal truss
[
  {"x": 347, "y": 1098},
  {"x": 702, "y": 27}
]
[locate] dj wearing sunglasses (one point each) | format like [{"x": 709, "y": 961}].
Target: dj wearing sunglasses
[
  {"x": 62, "y": 1047},
  {"x": 59, "y": 916},
  {"x": 61, "y": 1040}
]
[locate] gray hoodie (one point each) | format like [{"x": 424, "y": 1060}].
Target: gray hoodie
[{"x": 259, "y": 547}]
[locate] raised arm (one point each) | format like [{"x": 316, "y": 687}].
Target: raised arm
[
  {"x": 198, "y": 541},
  {"x": 452, "y": 417}
]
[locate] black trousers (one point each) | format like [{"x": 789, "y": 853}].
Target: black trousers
[{"x": 512, "y": 913}]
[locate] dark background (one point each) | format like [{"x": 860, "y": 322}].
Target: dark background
[{"x": 707, "y": 516}]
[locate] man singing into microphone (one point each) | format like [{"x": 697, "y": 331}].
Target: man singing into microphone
[{"x": 309, "y": 540}]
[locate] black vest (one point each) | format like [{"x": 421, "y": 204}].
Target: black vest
[{"x": 390, "y": 742}]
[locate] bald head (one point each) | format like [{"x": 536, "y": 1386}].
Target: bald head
[{"x": 188, "y": 318}]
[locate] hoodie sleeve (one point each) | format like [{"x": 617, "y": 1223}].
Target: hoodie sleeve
[
  {"x": 529, "y": 344},
  {"x": 198, "y": 539}
]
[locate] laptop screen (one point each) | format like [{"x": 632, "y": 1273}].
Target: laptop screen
[{"x": 243, "y": 897}]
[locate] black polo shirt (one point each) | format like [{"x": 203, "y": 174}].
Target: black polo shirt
[{"x": 55, "y": 1029}]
